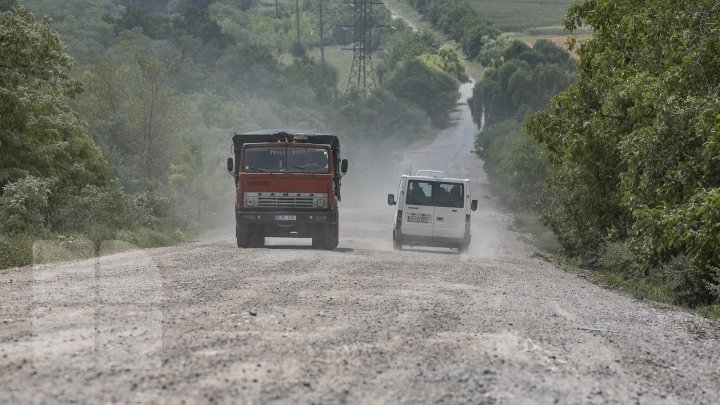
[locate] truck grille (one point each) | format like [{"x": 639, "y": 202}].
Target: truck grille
[{"x": 285, "y": 202}]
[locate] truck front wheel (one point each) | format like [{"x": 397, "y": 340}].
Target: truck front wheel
[
  {"x": 242, "y": 236},
  {"x": 326, "y": 237},
  {"x": 256, "y": 238},
  {"x": 332, "y": 237}
]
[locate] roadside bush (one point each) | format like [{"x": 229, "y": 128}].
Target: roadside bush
[
  {"x": 16, "y": 250},
  {"x": 513, "y": 163},
  {"x": 24, "y": 205},
  {"x": 691, "y": 286},
  {"x": 149, "y": 238},
  {"x": 100, "y": 212},
  {"x": 618, "y": 257}
]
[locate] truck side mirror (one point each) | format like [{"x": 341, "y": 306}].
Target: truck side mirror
[
  {"x": 231, "y": 166},
  {"x": 391, "y": 199},
  {"x": 344, "y": 166},
  {"x": 473, "y": 205}
]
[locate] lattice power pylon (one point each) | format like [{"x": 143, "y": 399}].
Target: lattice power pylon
[{"x": 362, "y": 76}]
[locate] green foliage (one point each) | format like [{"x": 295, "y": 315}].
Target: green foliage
[
  {"x": 100, "y": 212},
  {"x": 513, "y": 162},
  {"x": 16, "y": 250},
  {"x": 39, "y": 134},
  {"x": 459, "y": 21},
  {"x": 406, "y": 45},
  {"x": 433, "y": 90},
  {"x": 6, "y": 5},
  {"x": 381, "y": 116},
  {"x": 24, "y": 205},
  {"x": 523, "y": 80},
  {"x": 634, "y": 142},
  {"x": 447, "y": 60}
]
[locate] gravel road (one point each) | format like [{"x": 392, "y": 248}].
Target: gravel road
[{"x": 208, "y": 322}]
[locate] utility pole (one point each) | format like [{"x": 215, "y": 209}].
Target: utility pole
[
  {"x": 277, "y": 9},
  {"x": 362, "y": 75},
  {"x": 322, "y": 40},
  {"x": 297, "y": 22}
]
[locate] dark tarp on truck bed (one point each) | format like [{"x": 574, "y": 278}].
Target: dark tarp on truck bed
[{"x": 285, "y": 135}]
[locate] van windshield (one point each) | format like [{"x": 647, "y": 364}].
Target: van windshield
[
  {"x": 286, "y": 160},
  {"x": 435, "y": 193}
]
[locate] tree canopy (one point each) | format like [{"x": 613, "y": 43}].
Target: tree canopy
[
  {"x": 634, "y": 143},
  {"x": 40, "y": 134}
]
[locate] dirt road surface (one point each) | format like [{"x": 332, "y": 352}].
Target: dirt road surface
[{"x": 208, "y": 322}]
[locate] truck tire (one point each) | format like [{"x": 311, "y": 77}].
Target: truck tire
[
  {"x": 318, "y": 238},
  {"x": 256, "y": 238},
  {"x": 242, "y": 236},
  {"x": 331, "y": 238}
]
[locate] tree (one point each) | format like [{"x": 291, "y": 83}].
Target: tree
[
  {"x": 40, "y": 134},
  {"x": 433, "y": 90},
  {"x": 6, "y": 5},
  {"x": 635, "y": 141},
  {"x": 523, "y": 80},
  {"x": 156, "y": 111}
]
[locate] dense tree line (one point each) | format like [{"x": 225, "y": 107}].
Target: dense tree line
[
  {"x": 460, "y": 22},
  {"x": 634, "y": 143},
  {"x": 519, "y": 81}
]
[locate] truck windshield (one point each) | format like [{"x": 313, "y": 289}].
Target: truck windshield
[{"x": 286, "y": 160}]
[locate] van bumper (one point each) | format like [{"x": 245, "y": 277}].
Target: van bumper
[{"x": 432, "y": 241}]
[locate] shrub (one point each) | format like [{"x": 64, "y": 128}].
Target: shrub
[
  {"x": 16, "y": 250},
  {"x": 24, "y": 205}
]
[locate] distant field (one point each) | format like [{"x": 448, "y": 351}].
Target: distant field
[
  {"x": 559, "y": 40},
  {"x": 520, "y": 15}
]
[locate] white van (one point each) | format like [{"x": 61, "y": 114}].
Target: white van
[{"x": 432, "y": 211}]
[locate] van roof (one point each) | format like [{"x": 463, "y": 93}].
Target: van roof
[{"x": 432, "y": 178}]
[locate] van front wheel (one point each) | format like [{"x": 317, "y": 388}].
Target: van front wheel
[{"x": 397, "y": 244}]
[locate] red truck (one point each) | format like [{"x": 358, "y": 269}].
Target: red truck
[{"x": 287, "y": 185}]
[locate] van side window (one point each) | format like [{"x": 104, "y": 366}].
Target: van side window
[
  {"x": 450, "y": 195},
  {"x": 419, "y": 193}
]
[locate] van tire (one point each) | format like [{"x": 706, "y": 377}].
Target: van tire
[
  {"x": 397, "y": 244},
  {"x": 463, "y": 248}
]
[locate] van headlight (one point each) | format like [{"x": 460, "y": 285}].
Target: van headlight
[
  {"x": 320, "y": 203},
  {"x": 250, "y": 202}
]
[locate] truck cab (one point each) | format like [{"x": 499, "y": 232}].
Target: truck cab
[
  {"x": 287, "y": 185},
  {"x": 432, "y": 211}
]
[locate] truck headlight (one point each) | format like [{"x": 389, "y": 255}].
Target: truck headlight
[
  {"x": 320, "y": 203},
  {"x": 250, "y": 202}
]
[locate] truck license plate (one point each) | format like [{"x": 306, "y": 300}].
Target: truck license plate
[
  {"x": 423, "y": 220},
  {"x": 285, "y": 217}
]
